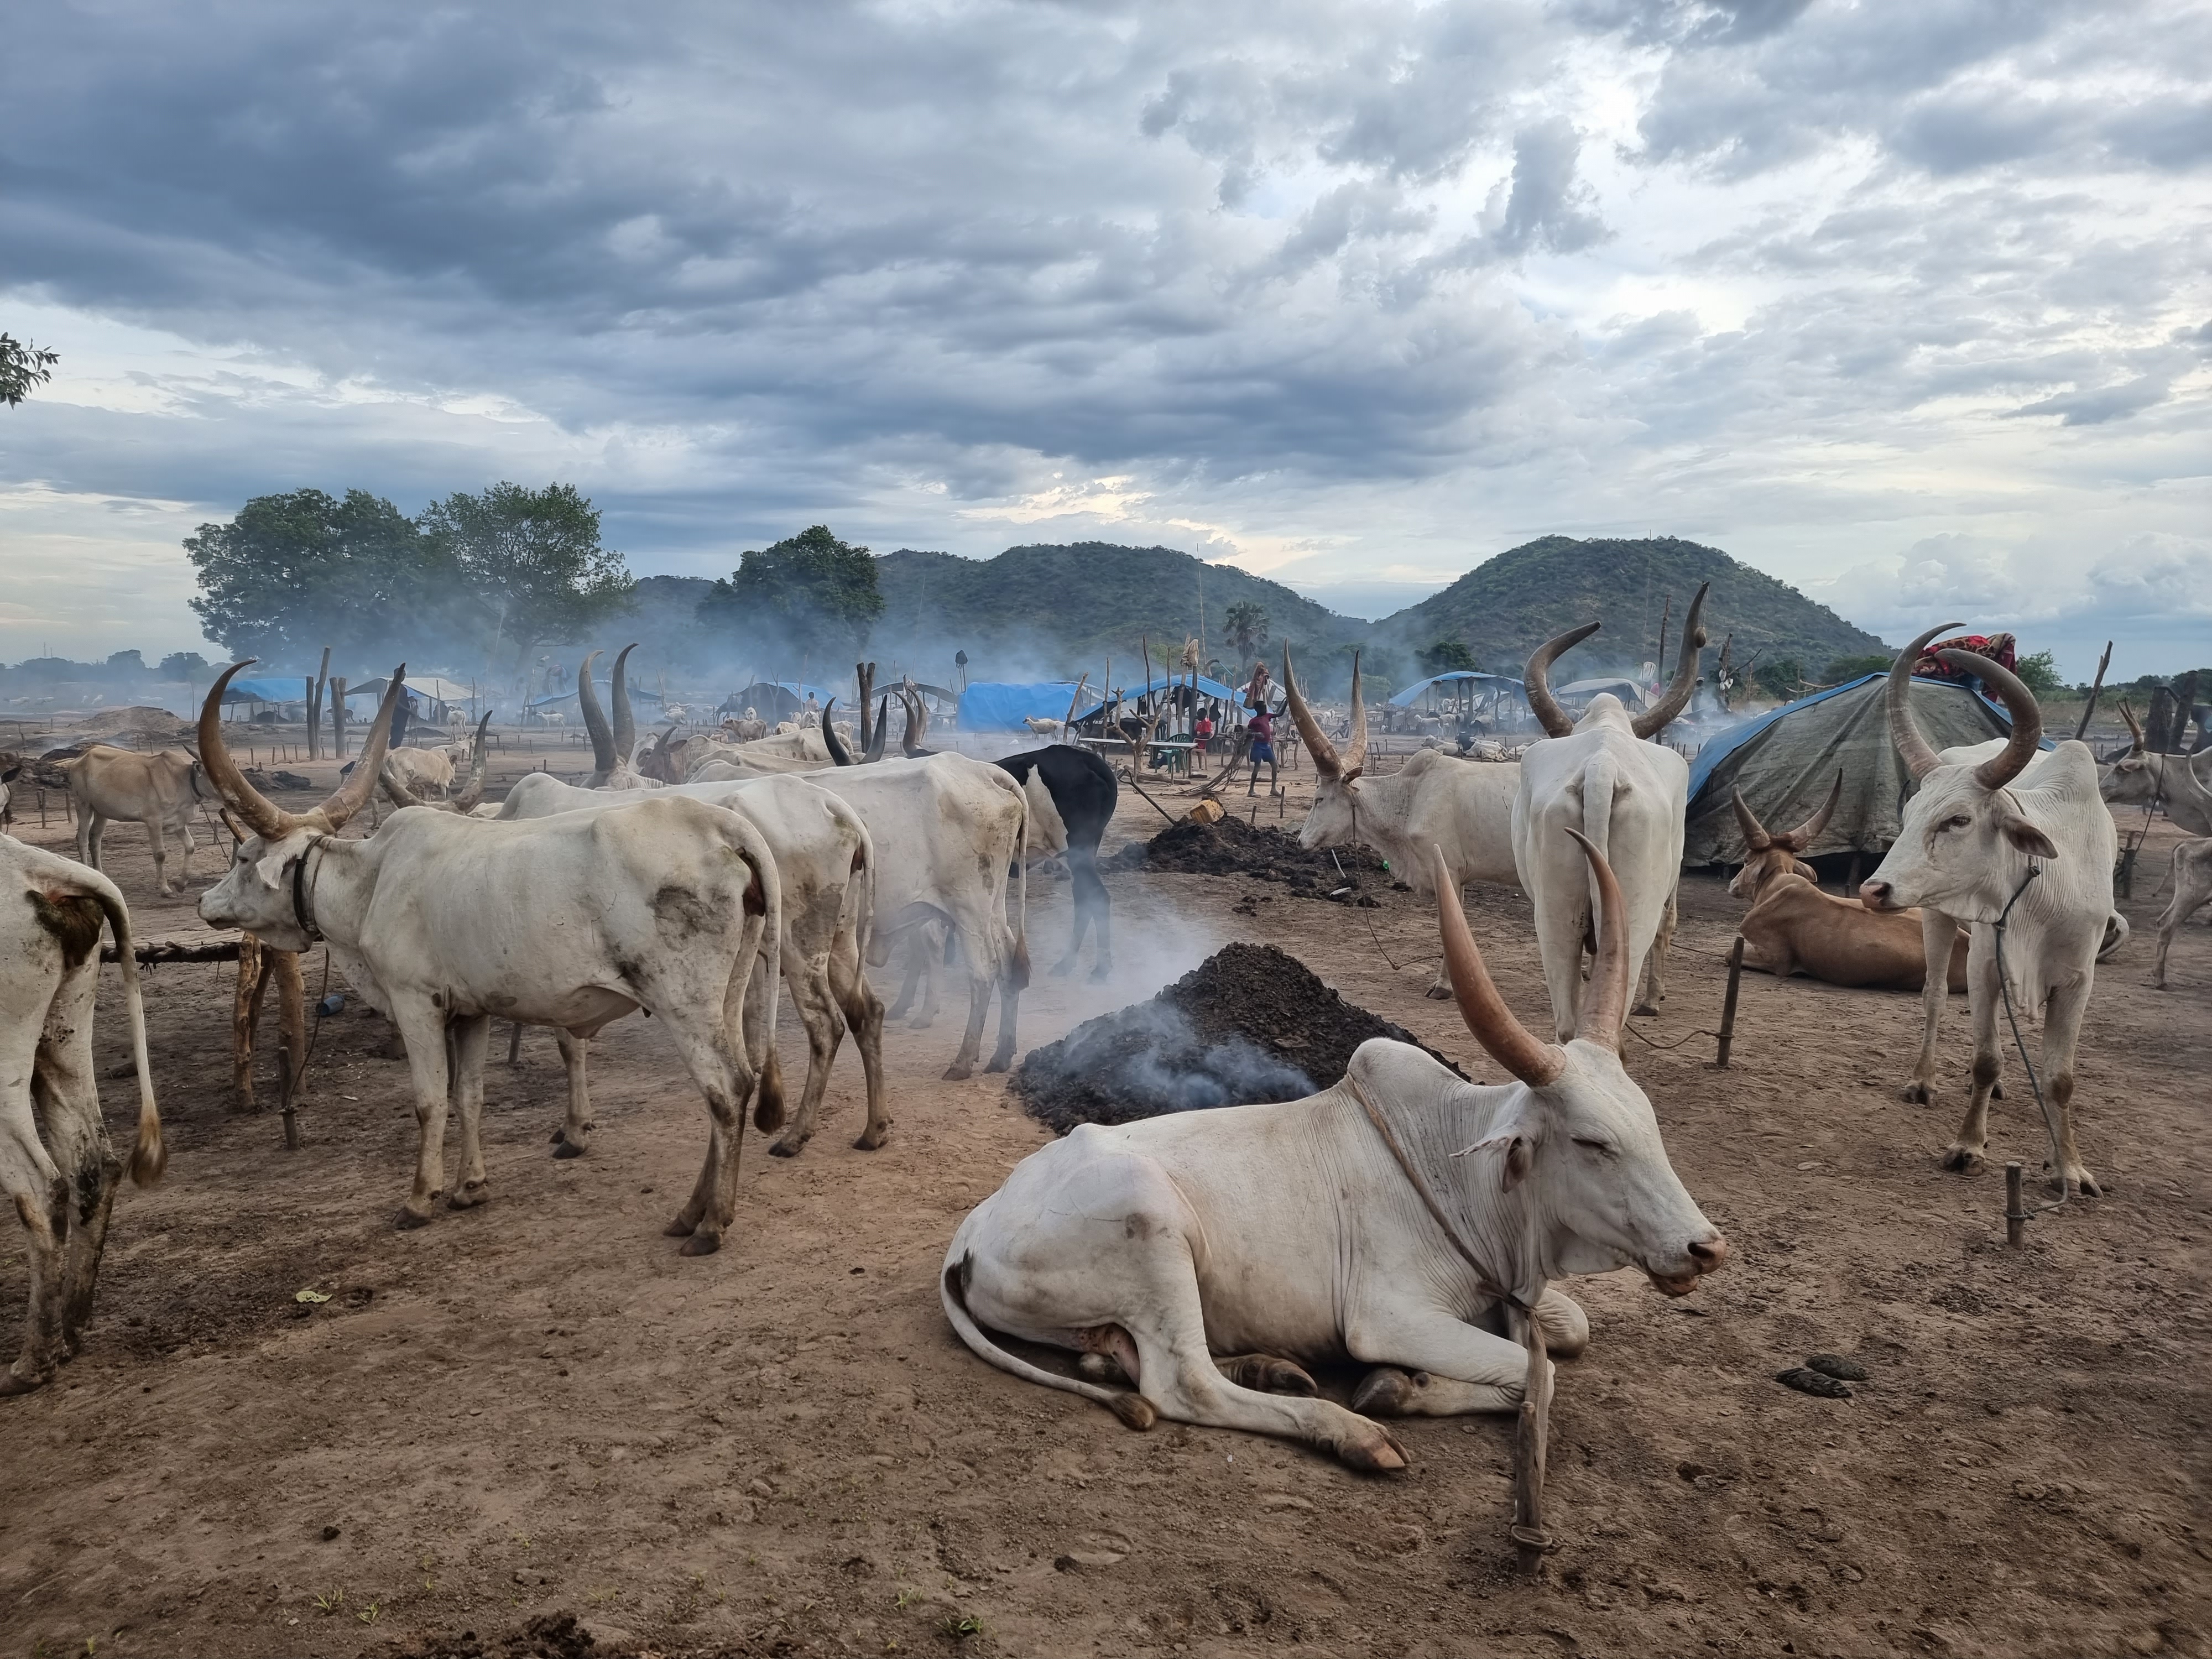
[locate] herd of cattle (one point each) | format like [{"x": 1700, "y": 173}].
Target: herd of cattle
[{"x": 1403, "y": 1220}]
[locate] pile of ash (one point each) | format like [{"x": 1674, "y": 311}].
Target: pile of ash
[
  {"x": 1250, "y": 1023},
  {"x": 1265, "y": 853}
]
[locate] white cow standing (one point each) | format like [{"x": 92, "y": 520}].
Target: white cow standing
[
  {"x": 1630, "y": 797},
  {"x": 1996, "y": 826},
  {"x": 1278, "y": 1233}
]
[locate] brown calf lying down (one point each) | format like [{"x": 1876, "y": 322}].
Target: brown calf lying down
[{"x": 1796, "y": 926}]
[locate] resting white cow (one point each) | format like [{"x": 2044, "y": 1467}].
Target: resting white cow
[
  {"x": 62, "y": 1181},
  {"x": 1598, "y": 775},
  {"x": 826, "y": 862},
  {"x": 1290, "y": 1232},
  {"x": 442, "y": 922},
  {"x": 158, "y": 790},
  {"x": 1461, "y": 808},
  {"x": 1984, "y": 818}
]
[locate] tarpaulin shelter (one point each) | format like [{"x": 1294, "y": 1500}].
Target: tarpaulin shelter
[
  {"x": 1579, "y": 692},
  {"x": 775, "y": 700},
  {"x": 1785, "y": 761},
  {"x": 1484, "y": 686},
  {"x": 272, "y": 688},
  {"x": 422, "y": 703},
  {"x": 1003, "y": 705},
  {"x": 1129, "y": 696}
]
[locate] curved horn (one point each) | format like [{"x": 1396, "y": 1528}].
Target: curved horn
[
  {"x": 1325, "y": 758},
  {"x": 595, "y": 719},
  {"x": 1605, "y": 999},
  {"x": 2134, "y": 730},
  {"x": 261, "y": 816},
  {"x": 625, "y": 726},
  {"x": 394, "y": 791},
  {"x": 353, "y": 794},
  {"x": 1661, "y": 713},
  {"x": 883, "y": 728},
  {"x": 912, "y": 704},
  {"x": 1502, "y": 1038},
  {"x": 1536, "y": 681},
  {"x": 2000, "y": 768},
  {"x": 1919, "y": 759},
  {"x": 1355, "y": 758},
  {"x": 472, "y": 790},
  {"x": 839, "y": 754},
  {"x": 1755, "y": 838},
  {"x": 1797, "y": 840}
]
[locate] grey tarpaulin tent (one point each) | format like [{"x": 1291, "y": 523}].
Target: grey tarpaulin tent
[{"x": 1786, "y": 760}]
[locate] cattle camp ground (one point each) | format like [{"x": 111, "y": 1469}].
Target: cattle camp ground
[{"x": 533, "y": 1426}]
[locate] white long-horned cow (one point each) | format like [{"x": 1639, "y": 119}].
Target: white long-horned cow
[
  {"x": 2191, "y": 875},
  {"x": 1463, "y": 808},
  {"x": 1599, "y": 775},
  {"x": 613, "y": 748},
  {"x": 400, "y": 784},
  {"x": 1998, "y": 831},
  {"x": 2183, "y": 782},
  {"x": 1276, "y": 1234},
  {"x": 442, "y": 922},
  {"x": 1792, "y": 925},
  {"x": 160, "y": 790},
  {"x": 62, "y": 1182},
  {"x": 826, "y": 862}
]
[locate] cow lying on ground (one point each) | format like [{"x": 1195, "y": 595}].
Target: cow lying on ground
[
  {"x": 1290, "y": 1232},
  {"x": 62, "y": 1181},
  {"x": 158, "y": 790},
  {"x": 1792, "y": 925},
  {"x": 441, "y": 922}
]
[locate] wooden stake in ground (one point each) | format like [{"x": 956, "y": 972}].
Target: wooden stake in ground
[
  {"x": 337, "y": 718},
  {"x": 2016, "y": 1213},
  {"x": 1531, "y": 1431},
  {"x": 1727, "y": 1004}
]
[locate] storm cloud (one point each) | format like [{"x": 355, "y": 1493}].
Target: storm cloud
[{"x": 1358, "y": 292}]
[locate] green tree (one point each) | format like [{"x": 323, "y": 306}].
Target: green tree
[
  {"x": 293, "y": 573},
  {"x": 183, "y": 665},
  {"x": 1852, "y": 668},
  {"x": 1781, "y": 679},
  {"x": 810, "y": 592},
  {"x": 1247, "y": 625},
  {"x": 1447, "y": 656},
  {"x": 2039, "y": 674},
  {"x": 22, "y": 366},
  {"x": 531, "y": 560}
]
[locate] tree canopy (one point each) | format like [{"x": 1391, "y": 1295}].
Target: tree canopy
[
  {"x": 1246, "y": 625},
  {"x": 23, "y": 366},
  {"x": 1447, "y": 656},
  {"x": 532, "y": 559},
  {"x": 292, "y": 573},
  {"x": 809, "y": 592}
]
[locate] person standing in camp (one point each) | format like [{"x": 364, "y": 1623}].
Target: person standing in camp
[{"x": 1263, "y": 729}]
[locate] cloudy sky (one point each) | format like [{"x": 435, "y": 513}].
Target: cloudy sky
[{"x": 1908, "y": 304}]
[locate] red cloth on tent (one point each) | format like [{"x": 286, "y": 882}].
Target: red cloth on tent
[{"x": 1997, "y": 648}]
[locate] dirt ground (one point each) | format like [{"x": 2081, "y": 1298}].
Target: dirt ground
[{"x": 537, "y": 1406}]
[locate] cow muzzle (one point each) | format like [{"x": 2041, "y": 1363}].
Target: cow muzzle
[
  {"x": 1699, "y": 1257},
  {"x": 1879, "y": 895}
]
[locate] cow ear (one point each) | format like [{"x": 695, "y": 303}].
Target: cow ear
[
  {"x": 2029, "y": 839},
  {"x": 271, "y": 869},
  {"x": 1513, "y": 1168}
]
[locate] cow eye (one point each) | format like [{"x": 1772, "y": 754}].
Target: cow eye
[
  {"x": 1595, "y": 1145},
  {"x": 1957, "y": 821}
]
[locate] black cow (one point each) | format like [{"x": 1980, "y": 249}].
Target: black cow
[{"x": 1083, "y": 792}]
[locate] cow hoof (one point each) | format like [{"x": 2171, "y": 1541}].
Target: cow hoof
[
  {"x": 999, "y": 1062},
  {"x": 1439, "y": 994},
  {"x": 1377, "y": 1452},
  {"x": 872, "y": 1141},
  {"x": 789, "y": 1146},
  {"x": 15, "y": 1380},
  {"x": 682, "y": 1227},
  {"x": 570, "y": 1149},
  {"x": 2084, "y": 1184},
  {"x": 1916, "y": 1094},
  {"x": 1997, "y": 1091},
  {"x": 1102, "y": 1368},
  {"x": 1648, "y": 1010},
  {"x": 1060, "y": 969},
  {"x": 411, "y": 1218},
  {"x": 1964, "y": 1159},
  {"x": 1102, "y": 973},
  {"x": 958, "y": 1073},
  {"x": 1269, "y": 1375},
  {"x": 1384, "y": 1392},
  {"x": 701, "y": 1244},
  {"x": 469, "y": 1194},
  {"x": 1135, "y": 1410},
  {"x": 922, "y": 1022}
]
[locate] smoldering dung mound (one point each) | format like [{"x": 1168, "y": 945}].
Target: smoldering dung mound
[
  {"x": 1250, "y": 1023},
  {"x": 1265, "y": 853}
]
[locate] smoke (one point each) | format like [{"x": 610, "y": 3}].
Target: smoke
[{"x": 1152, "y": 1052}]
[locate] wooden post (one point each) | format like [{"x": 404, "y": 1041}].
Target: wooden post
[
  {"x": 515, "y": 1044},
  {"x": 1728, "y": 1005},
  {"x": 1852, "y": 880},
  {"x": 1530, "y": 1541},
  {"x": 2016, "y": 1215},
  {"x": 2090, "y": 706},
  {"x": 338, "y": 718}
]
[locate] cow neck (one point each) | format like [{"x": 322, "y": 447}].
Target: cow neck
[
  {"x": 1375, "y": 829},
  {"x": 338, "y": 887},
  {"x": 303, "y": 909},
  {"x": 1487, "y": 1279},
  {"x": 2179, "y": 785}
]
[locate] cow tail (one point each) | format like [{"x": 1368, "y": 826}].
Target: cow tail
[
  {"x": 1599, "y": 781},
  {"x": 1133, "y": 1408},
  {"x": 1021, "y": 968},
  {"x": 149, "y": 1157}
]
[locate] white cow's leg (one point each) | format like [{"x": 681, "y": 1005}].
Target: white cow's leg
[
  {"x": 1655, "y": 960},
  {"x": 1431, "y": 1364},
  {"x": 714, "y": 1055},
  {"x": 89, "y": 824},
  {"x": 34, "y": 1184},
  {"x": 825, "y": 1024},
  {"x": 1010, "y": 977},
  {"x": 159, "y": 837},
  {"x": 574, "y": 1139},
  {"x": 1965, "y": 1152},
  {"x": 2062, "y": 1034},
  {"x": 1938, "y": 934},
  {"x": 864, "y": 1013},
  {"x": 1177, "y": 1374},
  {"x": 467, "y": 1037},
  {"x": 68, "y": 1097},
  {"x": 422, "y": 1030},
  {"x": 982, "y": 979}
]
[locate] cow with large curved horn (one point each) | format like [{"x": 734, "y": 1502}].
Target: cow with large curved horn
[
  {"x": 1464, "y": 808},
  {"x": 916, "y": 720},
  {"x": 1599, "y": 776},
  {"x": 1770, "y": 854},
  {"x": 471, "y": 793},
  {"x": 625, "y": 725},
  {"x": 1999, "y": 830},
  {"x": 873, "y": 749},
  {"x": 611, "y": 762},
  {"x": 839, "y": 754}
]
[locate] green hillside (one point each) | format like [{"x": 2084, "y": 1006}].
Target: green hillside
[
  {"x": 1062, "y": 609},
  {"x": 1506, "y": 606}
]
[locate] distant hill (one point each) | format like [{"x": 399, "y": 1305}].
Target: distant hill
[
  {"x": 1060, "y": 609},
  {"x": 1508, "y": 606}
]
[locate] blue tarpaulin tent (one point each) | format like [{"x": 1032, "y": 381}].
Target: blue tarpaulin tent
[
  {"x": 1207, "y": 688},
  {"x": 276, "y": 688},
  {"x": 1485, "y": 684},
  {"x": 1002, "y": 705}
]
